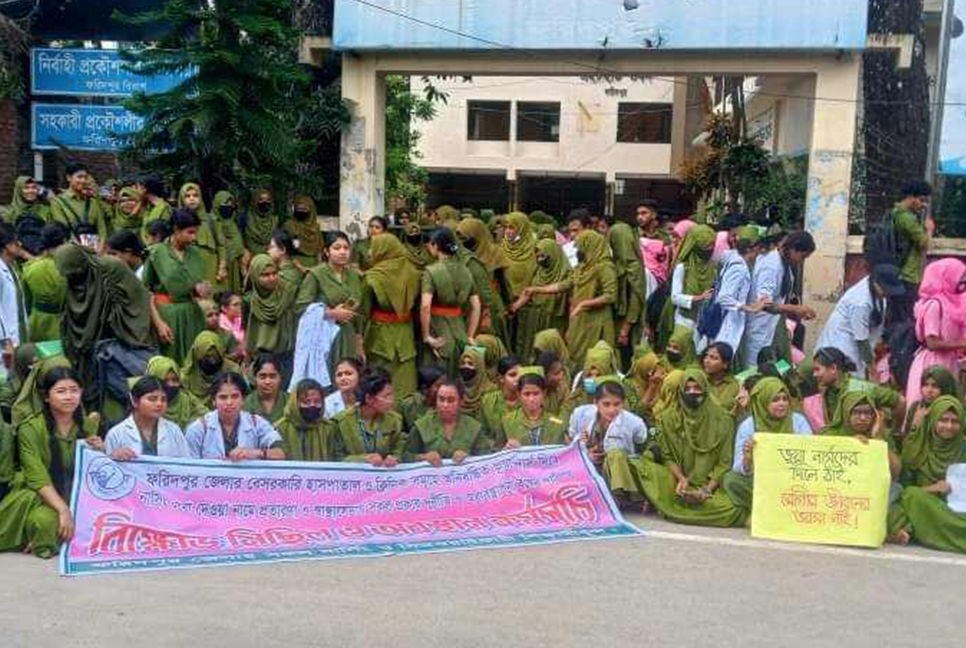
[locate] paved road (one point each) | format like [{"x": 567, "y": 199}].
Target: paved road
[{"x": 679, "y": 586}]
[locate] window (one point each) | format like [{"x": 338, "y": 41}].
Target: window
[
  {"x": 488, "y": 120},
  {"x": 644, "y": 123},
  {"x": 538, "y": 121}
]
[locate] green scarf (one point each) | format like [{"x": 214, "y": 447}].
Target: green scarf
[
  {"x": 486, "y": 250},
  {"x": 947, "y": 383},
  {"x": 480, "y": 385},
  {"x": 30, "y": 400},
  {"x": 18, "y": 206},
  {"x": 705, "y": 427},
  {"x": 304, "y": 441},
  {"x": 234, "y": 245},
  {"x": 601, "y": 358},
  {"x": 392, "y": 276},
  {"x": 925, "y": 452},
  {"x": 593, "y": 247},
  {"x": 258, "y": 231},
  {"x": 202, "y": 211},
  {"x": 552, "y": 340},
  {"x": 555, "y": 272},
  {"x": 683, "y": 339},
  {"x": 699, "y": 273},
  {"x": 495, "y": 351},
  {"x": 642, "y": 368},
  {"x": 764, "y": 392},
  {"x": 520, "y": 255},
  {"x": 840, "y": 424},
  {"x": 192, "y": 377},
  {"x": 127, "y": 221},
  {"x": 626, "y": 251},
  {"x": 545, "y": 231},
  {"x": 667, "y": 400},
  {"x": 309, "y": 235}
]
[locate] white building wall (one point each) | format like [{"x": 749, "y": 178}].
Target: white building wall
[{"x": 588, "y": 128}]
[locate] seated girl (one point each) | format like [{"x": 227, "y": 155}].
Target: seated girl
[
  {"x": 771, "y": 411},
  {"x": 445, "y": 432},
  {"x": 936, "y": 381},
  {"x": 305, "y": 435},
  {"x": 716, "y": 363},
  {"x": 228, "y": 431},
  {"x": 34, "y": 516},
  {"x": 267, "y": 399},
  {"x": 601, "y": 360},
  {"x": 347, "y": 372},
  {"x": 206, "y": 360},
  {"x": 414, "y": 406},
  {"x": 557, "y": 378},
  {"x": 184, "y": 407},
  {"x": 145, "y": 431},
  {"x": 923, "y": 515},
  {"x": 531, "y": 424},
  {"x": 498, "y": 402},
  {"x": 371, "y": 431}
]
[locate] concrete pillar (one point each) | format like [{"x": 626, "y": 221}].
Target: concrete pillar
[
  {"x": 362, "y": 170},
  {"x": 829, "y": 185}
]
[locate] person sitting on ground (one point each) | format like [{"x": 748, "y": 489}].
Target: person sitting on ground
[
  {"x": 557, "y": 381},
  {"x": 531, "y": 424},
  {"x": 347, "y": 373},
  {"x": 305, "y": 435},
  {"x": 146, "y": 431},
  {"x": 936, "y": 382},
  {"x": 414, "y": 406},
  {"x": 445, "y": 432},
  {"x": 267, "y": 400},
  {"x": 184, "y": 407},
  {"x": 495, "y": 404},
  {"x": 228, "y": 431},
  {"x": 717, "y": 367},
  {"x": 371, "y": 431}
]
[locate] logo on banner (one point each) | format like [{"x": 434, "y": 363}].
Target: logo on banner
[{"x": 106, "y": 480}]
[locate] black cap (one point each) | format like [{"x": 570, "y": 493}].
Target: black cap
[{"x": 886, "y": 276}]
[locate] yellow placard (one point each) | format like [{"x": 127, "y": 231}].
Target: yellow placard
[{"x": 826, "y": 490}]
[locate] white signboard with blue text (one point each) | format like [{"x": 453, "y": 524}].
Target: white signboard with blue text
[
  {"x": 81, "y": 126},
  {"x": 952, "y": 147},
  {"x": 92, "y": 73}
]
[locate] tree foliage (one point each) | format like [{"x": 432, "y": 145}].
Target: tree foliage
[
  {"x": 405, "y": 178},
  {"x": 248, "y": 115}
]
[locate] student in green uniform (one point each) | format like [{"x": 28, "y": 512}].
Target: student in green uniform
[
  {"x": 206, "y": 359},
  {"x": 631, "y": 288},
  {"x": 831, "y": 369},
  {"x": 936, "y": 381},
  {"x": 447, "y": 287},
  {"x": 496, "y": 403},
  {"x": 519, "y": 247},
  {"x": 371, "y": 431},
  {"x": 81, "y": 214},
  {"x": 647, "y": 377},
  {"x": 414, "y": 406},
  {"x": 26, "y": 200},
  {"x": 857, "y": 416},
  {"x": 262, "y": 222},
  {"x": 184, "y": 408},
  {"x": 679, "y": 351},
  {"x": 601, "y": 361},
  {"x": 391, "y": 289},
  {"x": 127, "y": 215},
  {"x": 339, "y": 286},
  {"x": 696, "y": 446},
  {"x": 556, "y": 382},
  {"x": 44, "y": 289},
  {"x": 305, "y": 436},
  {"x": 476, "y": 384},
  {"x": 414, "y": 240},
  {"x": 35, "y": 516},
  {"x": 593, "y": 290},
  {"x": 267, "y": 399},
  {"x": 445, "y": 432},
  {"x": 924, "y": 516},
  {"x": 304, "y": 226},
  {"x": 717, "y": 367},
  {"x": 174, "y": 273},
  {"x": 283, "y": 252},
  {"x": 360, "y": 249},
  {"x": 225, "y": 210},
  {"x": 271, "y": 319},
  {"x": 24, "y": 358},
  {"x": 210, "y": 241},
  {"x": 154, "y": 206},
  {"x": 495, "y": 351},
  {"x": 552, "y": 268},
  {"x": 530, "y": 424},
  {"x": 475, "y": 236}
]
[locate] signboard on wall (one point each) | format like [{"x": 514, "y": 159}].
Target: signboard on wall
[
  {"x": 80, "y": 126},
  {"x": 952, "y": 146},
  {"x": 91, "y": 73},
  {"x": 762, "y": 128}
]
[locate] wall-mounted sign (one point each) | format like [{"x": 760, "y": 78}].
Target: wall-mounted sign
[
  {"x": 92, "y": 73},
  {"x": 80, "y": 126}
]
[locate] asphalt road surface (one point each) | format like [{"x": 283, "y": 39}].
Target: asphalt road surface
[{"x": 680, "y": 586}]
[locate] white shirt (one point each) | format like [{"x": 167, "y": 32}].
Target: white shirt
[
  {"x": 851, "y": 323},
  {"x": 334, "y": 403},
  {"x": 206, "y": 439},
  {"x": 623, "y": 433},
  {"x": 679, "y": 298},
  {"x": 766, "y": 281},
  {"x": 747, "y": 429},
  {"x": 570, "y": 251},
  {"x": 733, "y": 291},
  {"x": 11, "y": 308},
  {"x": 170, "y": 441}
]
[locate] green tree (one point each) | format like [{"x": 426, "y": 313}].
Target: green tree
[{"x": 248, "y": 115}]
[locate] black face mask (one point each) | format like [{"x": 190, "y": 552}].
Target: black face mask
[
  {"x": 311, "y": 414},
  {"x": 674, "y": 356},
  {"x": 467, "y": 374},
  {"x": 210, "y": 365},
  {"x": 692, "y": 401},
  {"x": 171, "y": 392},
  {"x": 226, "y": 211},
  {"x": 301, "y": 214},
  {"x": 581, "y": 257},
  {"x": 469, "y": 243},
  {"x": 543, "y": 262},
  {"x": 264, "y": 207}
]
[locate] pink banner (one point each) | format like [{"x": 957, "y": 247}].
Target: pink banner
[{"x": 173, "y": 513}]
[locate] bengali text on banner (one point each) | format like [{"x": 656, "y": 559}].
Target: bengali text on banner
[{"x": 156, "y": 513}]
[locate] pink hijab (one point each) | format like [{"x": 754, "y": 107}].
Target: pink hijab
[
  {"x": 656, "y": 257},
  {"x": 939, "y": 283},
  {"x": 720, "y": 245},
  {"x": 682, "y": 227}
]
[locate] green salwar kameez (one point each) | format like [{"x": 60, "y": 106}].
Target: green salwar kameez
[
  {"x": 186, "y": 408},
  {"x": 354, "y": 438},
  {"x": 304, "y": 441},
  {"x": 322, "y": 284},
  {"x": 593, "y": 278},
  {"x": 254, "y": 405},
  {"x": 428, "y": 435},
  {"x": 233, "y": 242},
  {"x": 547, "y": 430},
  {"x": 44, "y": 291},
  {"x": 172, "y": 278},
  {"x": 451, "y": 285}
]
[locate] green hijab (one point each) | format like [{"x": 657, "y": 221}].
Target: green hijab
[
  {"x": 480, "y": 385},
  {"x": 762, "y": 394},
  {"x": 840, "y": 424},
  {"x": 18, "y": 206},
  {"x": 127, "y": 221},
  {"x": 602, "y": 358},
  {"x": 944, "y": 378},
  {"x": 391, "y": 275},
  {"x": 486, "y": 249},
  {"x": 520, "y": 255},
  {"x": 30, "y": 400},
  {"x": 557, "y": 271},
  {"x": 926, "y": 452},
  {"x": 234, "y": 245},
  {"x": 546, "y": 231},
  {"x": 705, "y": 427},
  {"x": 699, "y": 273},
  {"x": 642, "y": 368},
  {"x": 259, "y": 228},
  {"x": 667, "y": 400},
  {"x": 683, "y": 338},
  {"x": 202, "y": 210},
  {"x": 593, "y": 247},
  {"x": 495, "y": 351},
  {"x": 552, "y": 340},
  {"x": 192, "y": 377},
  {"x": 309, "y": 235},
  {"x": 267, "y": 304}
]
